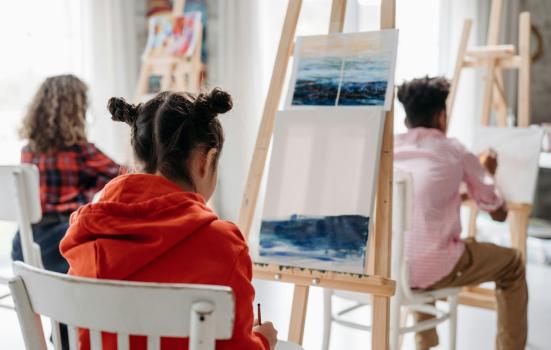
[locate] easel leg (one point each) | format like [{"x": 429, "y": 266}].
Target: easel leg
[
  {"x": 458, "y": 66},
  {"x": 380, "y": 323},
  {"x": 518, "y": 225},
  {"x": 298, "y": 314},
  {"x": 500, "y": 101},
  {"x": 143, "y": 82},
  {"x": 524, "y": 71},
  {"x": 488, "y": 88}
]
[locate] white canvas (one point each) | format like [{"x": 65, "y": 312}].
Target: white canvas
[
  {"x": 320, "y": 188},
  {"x": 352, "y": 69},
  {"x": 518, "y": 151}
]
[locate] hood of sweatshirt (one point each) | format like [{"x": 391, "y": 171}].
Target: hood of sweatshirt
[{"x": 138, "y": 218}]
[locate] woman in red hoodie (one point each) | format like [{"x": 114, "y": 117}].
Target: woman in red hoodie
[{"x": 155, "y": 226}]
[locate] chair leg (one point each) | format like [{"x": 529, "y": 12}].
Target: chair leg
[
  {"x": 395, "y": 316},
  {"x": 403, "y": 323},
  {"x": 452, "y": 304},
  {"x": 327, "y": 318}
]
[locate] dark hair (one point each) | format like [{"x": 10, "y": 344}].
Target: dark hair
[
  {"x": 167, "y": 128},
  {"x": 423, "y": 98}
]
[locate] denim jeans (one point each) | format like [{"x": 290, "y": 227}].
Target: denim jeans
[{"x": 47, "y": 233}]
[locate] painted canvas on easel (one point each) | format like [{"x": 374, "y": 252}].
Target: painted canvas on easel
[
  {"x": 173, "y": 35},
  {"x": 320, "y": 188},
  {"x": 355, "y": 69},
  {"x": 518, "y": 152}
]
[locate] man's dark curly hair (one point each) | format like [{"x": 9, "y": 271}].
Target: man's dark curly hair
[{"x": 423, "y": 98}]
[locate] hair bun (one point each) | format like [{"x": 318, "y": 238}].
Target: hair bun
[
  {"x": 121, "y": 111},
  {"x": 209, "y": 105},
  {"x": 219, "y": 101}
]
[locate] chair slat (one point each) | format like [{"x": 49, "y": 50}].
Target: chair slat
[
  {"x": 56, "y": 337},
  {"x": 95, "y": 340},
  {"x": 73, "y": 337},
  {"x": 123, "y": 343},
  {"x": 153, "y": 343}
]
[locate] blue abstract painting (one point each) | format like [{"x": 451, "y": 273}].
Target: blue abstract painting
[
  {"x": 312, "y": 241},
  {"x": 344, "y": 70},
  {"x": 318, "y": 81},
  {"x": 364, "y": 81}
]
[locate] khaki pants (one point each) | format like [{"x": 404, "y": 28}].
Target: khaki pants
[{"x": 486, "y": 262}]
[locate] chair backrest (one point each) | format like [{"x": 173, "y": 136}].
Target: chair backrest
[
  {"x": 402, "y": 211},
  {"x": 202, "y": 313},
  {"x": 20, "y": 193}
]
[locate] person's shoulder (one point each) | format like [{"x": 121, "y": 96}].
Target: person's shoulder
[
  {"x": 455, "y": 145},
  {"x": 87, "y": 150},
  {"x": 227, "y": 231}
]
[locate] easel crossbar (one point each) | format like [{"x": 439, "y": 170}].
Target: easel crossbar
[{"x": 375, "y": 285}]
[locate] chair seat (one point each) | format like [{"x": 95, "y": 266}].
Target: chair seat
[{"x": 539, "y": 228}]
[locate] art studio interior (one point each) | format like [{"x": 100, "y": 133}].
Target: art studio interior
[{"x": 275, "y": 175}]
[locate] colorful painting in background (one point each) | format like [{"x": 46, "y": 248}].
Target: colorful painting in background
[
  {"x": 344, "y": 69},
  {"x": 173, "y": 36},
  {"x": 320, "y": 189}
]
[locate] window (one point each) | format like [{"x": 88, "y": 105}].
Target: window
[{"x": 46, "y": 41}]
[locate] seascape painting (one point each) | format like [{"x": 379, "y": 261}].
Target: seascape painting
[
  {"x": 318, "y": 81},
  {"x": 316, "y": 242},
  {"x": 320, "y": 189},
  {"x": 344, "y": 70}
]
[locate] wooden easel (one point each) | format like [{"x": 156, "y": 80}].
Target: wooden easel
[
  {"x": 494, "y": 59},
  {"x": 377, "y": 280},
  {"x": 177, "y": 73}
]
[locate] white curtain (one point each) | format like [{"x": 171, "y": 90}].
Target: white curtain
[
  {"x": 114, "y": 36},
  {"x": 44, "y": 42},
  {"x": 236, "y": 63}
]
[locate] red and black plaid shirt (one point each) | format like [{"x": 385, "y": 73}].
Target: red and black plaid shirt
[{"x": 69, "y": 178}]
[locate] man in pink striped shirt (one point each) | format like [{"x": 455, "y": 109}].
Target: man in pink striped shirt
[{"x": 436, "y": 255}]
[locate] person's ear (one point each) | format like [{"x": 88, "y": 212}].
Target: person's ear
[
  {"x": 442, "y": 120},
  {"x": 207, "y": 162}
]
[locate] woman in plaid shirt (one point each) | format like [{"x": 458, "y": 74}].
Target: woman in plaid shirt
[{"x": 71, "y": 169}]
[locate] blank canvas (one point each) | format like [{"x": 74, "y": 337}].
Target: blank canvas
[
  {"x": 320, "y": 189},
  {"x": 518, "y": 152}
]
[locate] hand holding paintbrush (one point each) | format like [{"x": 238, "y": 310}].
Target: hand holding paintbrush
[{"x": 266, "y": 329}]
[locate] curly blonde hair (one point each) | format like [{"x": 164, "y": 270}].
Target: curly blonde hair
[{"x": 56, "y": 118}]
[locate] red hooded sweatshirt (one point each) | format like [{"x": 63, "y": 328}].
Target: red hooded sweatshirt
[{"x": 146, "y": 228}]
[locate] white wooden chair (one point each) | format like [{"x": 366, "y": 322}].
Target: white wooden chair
[
  {"x": 19, "y": 190},
  {"x": 202, "y": 313},
  {"x": 406, "y": 299}
]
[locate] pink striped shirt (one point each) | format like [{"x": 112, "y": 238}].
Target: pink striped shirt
[{"x": 439, "y": 165}]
